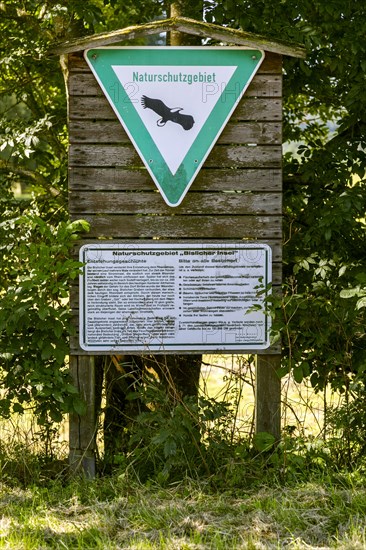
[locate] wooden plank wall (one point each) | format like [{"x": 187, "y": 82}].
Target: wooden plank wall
[{"x": 236, "y": 196}]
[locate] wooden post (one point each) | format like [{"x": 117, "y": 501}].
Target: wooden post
[
  {"x": 83, "y": 429},
  {"x": 268, "y": 395}
]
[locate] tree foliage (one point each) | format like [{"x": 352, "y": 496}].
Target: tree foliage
[
  {"x": 35, "y": 234},
  {"x": 324, "y": 174},
  {"x": 324, "y": 302}
]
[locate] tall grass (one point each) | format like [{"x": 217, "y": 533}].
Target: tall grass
[
  {"x": 292, "y": 496},
  {"x": 228, "y": 379}
]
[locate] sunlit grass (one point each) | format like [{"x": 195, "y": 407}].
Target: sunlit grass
[
  {"x": 120, "y": 513},
  {"x": 116, "y": 515}
]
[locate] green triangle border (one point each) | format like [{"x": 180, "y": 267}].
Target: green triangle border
[{"x": 173, "y": 187}]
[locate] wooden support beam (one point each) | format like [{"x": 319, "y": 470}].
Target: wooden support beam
[
  {"x": 268, "y": 395},
  {"x": 185, "y": 25},
  {"x": 82, "y": 429}
]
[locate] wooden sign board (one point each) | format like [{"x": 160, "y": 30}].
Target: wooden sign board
[
  {"x": 235, "y": 200},
  {"x": 236, "y": 196}
]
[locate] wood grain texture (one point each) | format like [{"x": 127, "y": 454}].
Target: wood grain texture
[
  {"x": 83, "y": 428},
  {"x": 224, "y": 226},
  {"x": 272, "y": 64},
  {"x": 194, "y": 203},
  {"x": 262, "y": 85},
  {"x": 218, "y": 179},
  {"x": 250, "y": 108},
  {"x": 235, "y": 156},
  {"x": 182, "y": 25},
  {"x": 111, "y": 131},
  {"x": 236, "y": 195},
  {"x": 275, "y": 244},
  {"x": 268, "y": 394}
]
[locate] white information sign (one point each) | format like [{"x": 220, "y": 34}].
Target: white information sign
[{"x": 174, "y": 297}]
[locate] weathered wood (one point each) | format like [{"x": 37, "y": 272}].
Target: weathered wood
[
  {"x": 272, "y": 64},
  {"x": 275, "y": 244},
  {"x": 268, "y": 395},
  {"x": 195, "y": 203},
  {"x": 184, "y": 25},
  {"x": 258, "y": 109},
  {"x": 267, "y": 156},
  {"x": 110, "y": 188},
  {"x": 82, "y": 429},
  {"x": 115, "y": 179},
  {"x": 262, "y": 85},
  {"x": 111, "y": 131},
  {"x": 227, "y": 226},
  {"x": 235, "y": 156}
]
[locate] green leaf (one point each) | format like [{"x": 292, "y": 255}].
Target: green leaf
[
  {"x": 349, "y": 292},
  {"x": 58, "y": 396},
  {"x": 18, "y": 408},
  {"x": 263, "y": 441},
  {"x": 298, "y": 374},
  {"x": 47, "y": 351},
  {"x": 59, "y": 354},
  {"x": 56, "y": 415},
  {"x": 43, "y": 311},
  {"x": 361, "y": 303},
  {"x": 342, "y": 270},
  {"x": 79, "y": 406},
  {"x": 71, "y": 389},
  {"x": 161, "y": 437},
  {"x": 170, "y": 447}
]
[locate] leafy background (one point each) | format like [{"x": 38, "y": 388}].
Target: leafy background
[{"x": 321, "y": 316}]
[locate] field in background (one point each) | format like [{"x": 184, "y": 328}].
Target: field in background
[
  {"x": 302, "y": 408},
  {"x": 227, "y": 378}
]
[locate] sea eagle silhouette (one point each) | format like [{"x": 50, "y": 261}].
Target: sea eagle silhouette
[{"x": 174, "y": 115}]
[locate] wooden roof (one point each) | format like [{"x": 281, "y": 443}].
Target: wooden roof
[{"x": 184, "y": 25}]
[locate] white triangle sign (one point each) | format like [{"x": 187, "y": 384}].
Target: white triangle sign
[{"x": 173, "y": 103}]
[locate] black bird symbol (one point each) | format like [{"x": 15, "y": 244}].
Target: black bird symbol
[{"x": 174, "y": 115}]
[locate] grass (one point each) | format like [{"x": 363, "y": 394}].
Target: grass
[
  {"x": 247, "y": 504},
  {"x": 115, "y": 513}
]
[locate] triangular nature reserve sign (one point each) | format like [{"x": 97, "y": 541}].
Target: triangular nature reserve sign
[{"x": 173, "y": 103}]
